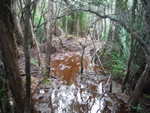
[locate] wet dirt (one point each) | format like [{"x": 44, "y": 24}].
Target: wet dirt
[
  {"x": 72, "y": 92},
  {"x": 67, "y": 65}
]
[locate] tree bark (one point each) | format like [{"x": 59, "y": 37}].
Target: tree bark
[
  {"x": 18, "y": 29},
  {"x": 134, "y": 99},
  {"x": 27, "y": 43},
  {"x": 40, "y": 63},
  {"x": 9, "y": 53},
  {"x": 49, "y": 35}
]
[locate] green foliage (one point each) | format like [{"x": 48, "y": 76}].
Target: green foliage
[
  {"x": 124, "y": 41},
  {"x": 38, "y": 22},
  {"x": 83, "y": 21},
  {"x": 98, "y": 2},
  {"x": 118, "y": 65},
  {"x": 120, "y": 54},
  {"x": 115, "y": 62},
  {"x": 146, "y": 96},
  {"x": 2, "y": 93},
  {"x": 40, "y": 34},
  {"x": 104, "y": 36},
  {"x": 76, "y": 22},
  {"x": 122, "y": 5},
  {"x": 137, "y": 109},
  {"x": 38, "y": 18},
  {"x": 46, "y": 81}
]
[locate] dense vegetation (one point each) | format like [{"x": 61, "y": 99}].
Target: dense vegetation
[{"x": 28, "y": 28}]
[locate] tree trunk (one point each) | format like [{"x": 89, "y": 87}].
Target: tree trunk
[
  {"x": 9, "y": 54},
  {"x": 27, "y": 43},
  {"x": 18, "y": 29},
  {"x": 49, "y": 28},
  {"x": 40, "y": 63},
  {"x": 134, "y": 99}
]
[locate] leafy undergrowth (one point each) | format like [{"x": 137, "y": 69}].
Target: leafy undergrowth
[
  {"x": 118, "y": 65},
  {"x": 114, "y": 62}
]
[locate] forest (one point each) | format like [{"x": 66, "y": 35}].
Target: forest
[{"x": 74, "y": 56}]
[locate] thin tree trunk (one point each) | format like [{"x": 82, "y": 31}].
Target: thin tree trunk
[
  {"x": 128, "y": 68},
  {"x": 27, "y": 42},
  {"x": 66, "y": 24},
  {"x": 77, "y": 24},
  {"x": 82, "y": 56},
  {"x": 49, "y": 27},
  {"x": 40, "y": 63},
  {"x": 134, "y": 99}
]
